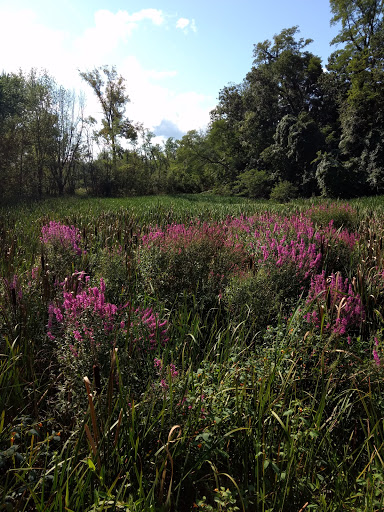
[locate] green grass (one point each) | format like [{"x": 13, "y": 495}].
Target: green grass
[{"x": 284, "y": 418}]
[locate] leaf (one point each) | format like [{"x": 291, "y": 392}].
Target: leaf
[
  {"x": 2, "y": 421},
  {"x": 91, "y": 464}
]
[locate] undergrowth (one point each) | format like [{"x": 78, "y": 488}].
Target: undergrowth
[{"x": 181, "y": 354}]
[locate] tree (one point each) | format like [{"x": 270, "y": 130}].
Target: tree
[
  {"x": 69, "y": 123},
  {"x": 193, "y": 168},
  {"x": 360, "y": 66},
  {"x": 40, "y": 123},
  {"x": 284, "y": 83},
  {"x": 293, "y": 71},
  {"x": 332, "y": 177},
  {"x": 291, "y": 158},
  {"x": 109, "y": 88},
  {"x": 12, "y": 134}
]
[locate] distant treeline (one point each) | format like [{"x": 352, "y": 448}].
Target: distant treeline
[{"x": 290, "y": 128}]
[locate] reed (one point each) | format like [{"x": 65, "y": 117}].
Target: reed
[{"x": 191, "y": 353}]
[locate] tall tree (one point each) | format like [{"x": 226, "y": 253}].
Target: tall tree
[
  {"x": 12, "y": 134},
  {"x": 40, "y": 121},
  {"x": 110, "y": 90},
  {"x": 281, "y": 93},
  {"x": 69, "y": 123},
  {"x": 293, "y": 70},
  {"x": 359, "y": 65}
]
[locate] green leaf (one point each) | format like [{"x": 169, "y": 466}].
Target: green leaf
[{"x": 91, "y": 464}]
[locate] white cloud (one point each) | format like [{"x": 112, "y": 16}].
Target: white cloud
[
  {"x": 159, "y": 75},
  {"x": 111, "y": 29},
  {"x": 185, "y": 24},
  {"x": 182, "y": 23},
  {"x": 154, "y": 15},
  {"x": 151, "y": 103},
  {"x": 30, "y": 43}
]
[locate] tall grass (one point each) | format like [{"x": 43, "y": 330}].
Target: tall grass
[{"x": 251, "y": 404}]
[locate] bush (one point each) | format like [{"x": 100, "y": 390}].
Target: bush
[
  {"x": 337, "y": 215},
  {"x": 259, "y": 298},
  {"x": 283, "y": 192},
  {"x": 253, "y": 183},
  {"x": 86, "y": 329},
  {"x": 193, "y": 261},
  {"x": 333, "y": 179},
  {"x": 61, "y": 249}
]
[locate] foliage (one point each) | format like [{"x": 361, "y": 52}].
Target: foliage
[
  {"x": 191, "y": 261},
  {"x": 283, "y": 191},
  {"x": 253, "y": 183},
  {"x": 252, "y": 407},
  {"x": 292, "y": 118}
]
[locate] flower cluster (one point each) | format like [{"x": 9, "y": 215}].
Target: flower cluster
[
  {"x": 338, "y": 307},
  {"x": 280, "y": 240},
  {"x": 180, "y": 235},
  {"x": 88, "y": 318},
  {"x": 59, "y": 235},
  {"x": 162, "y": 371},
  {"x": 148, "y": 328}
]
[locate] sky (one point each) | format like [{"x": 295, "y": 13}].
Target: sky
[{"x": 175, "y": 55}]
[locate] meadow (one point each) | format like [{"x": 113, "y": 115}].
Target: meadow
[{"x": 192, "y": 353}]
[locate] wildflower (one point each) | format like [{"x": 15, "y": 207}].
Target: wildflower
[
  {"x": 77, "y": 335},
  {"x": 376, "y": 357},
  {"x": 57, "y": 234},
  {"x": 173, "y": 370},
  {"x": 158, "y": 363},
  {"x": 164, "y": 384}
]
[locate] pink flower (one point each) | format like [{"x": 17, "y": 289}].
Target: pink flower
[
  {"x": 77, "y": 335},
  {"x": 376, "y": 357},
  {"x": 158, "y": 363},
  {"x": 163, "y": 384}
]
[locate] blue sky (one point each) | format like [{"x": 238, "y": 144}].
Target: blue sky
[{"x": 174, "y": 55}]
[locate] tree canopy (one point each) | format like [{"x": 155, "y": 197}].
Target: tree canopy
[{"x": 318, "y": 127}]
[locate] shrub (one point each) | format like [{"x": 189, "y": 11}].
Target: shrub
[
  {"x": 283, "y": 192},
  {"x": 333, "y": 179},
  {"x": 189, "y": 260},
  {"x": 117, "y": 268},
  {"x": 86, "y": 329},
  {"x": 61, "y": 247},
  {"x": 253, "y": 183},
  {"x": 334, "y": 214}
]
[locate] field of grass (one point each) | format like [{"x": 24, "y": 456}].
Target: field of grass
[{"x": 192, "y": 353}]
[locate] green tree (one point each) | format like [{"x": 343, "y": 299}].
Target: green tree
[
  {"x": 293, "y": 71},
  {"x": 291, "y": 158},
  {"x": 110, "y": 90},
  {"x": 12, "y": 135},
  {"x": 40, "y": 121},
  {"x": 283, "y": 88},
  {"x": 194, "y": 166},
  {"x": 332, "y": 177},
  {"x": 359, "y": 66},
  {"x": 253, "y": 183},
  {"x": 67, "y": 143}
]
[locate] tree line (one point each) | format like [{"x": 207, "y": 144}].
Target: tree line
[{"x": 292, "y": 127}]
